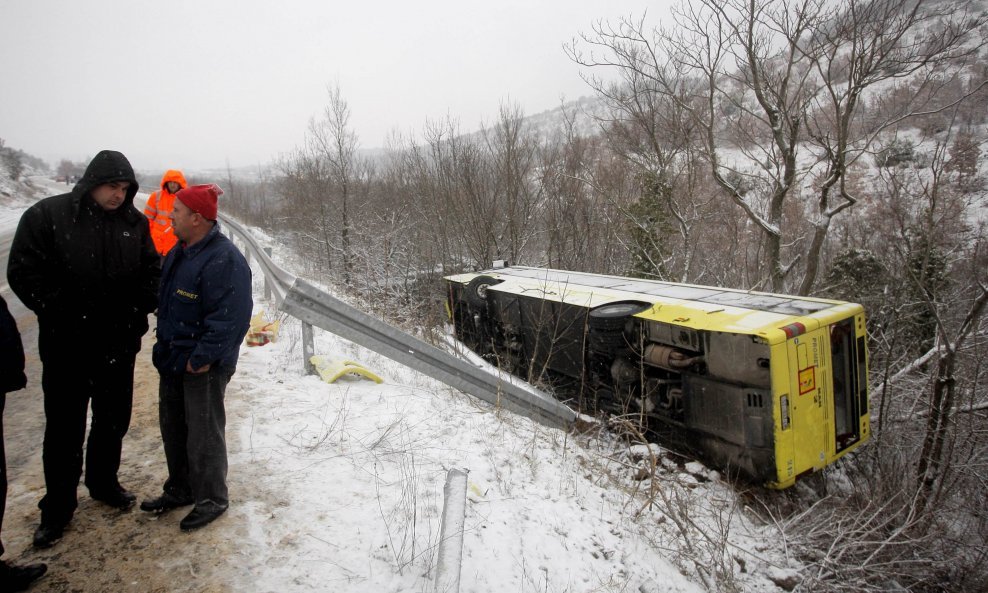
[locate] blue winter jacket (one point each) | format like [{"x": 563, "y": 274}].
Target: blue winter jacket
[{"x": 204, "y": 305}]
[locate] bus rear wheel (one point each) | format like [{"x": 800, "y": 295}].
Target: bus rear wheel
[{"x": 476, "y": 290}]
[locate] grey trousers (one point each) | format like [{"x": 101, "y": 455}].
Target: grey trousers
[{"x": 193, "y": 428}]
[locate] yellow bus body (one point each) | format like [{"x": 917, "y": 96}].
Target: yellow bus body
[{"x": 777, "y": 387}]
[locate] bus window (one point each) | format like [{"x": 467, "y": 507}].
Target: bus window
[{"x": 845, "y": 378}]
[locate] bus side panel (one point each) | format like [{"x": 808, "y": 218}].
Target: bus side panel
[
  {"x": 732, "y": 424},
  {"x": 807, "y": 399},
  {"x": 553, "y": 336}
]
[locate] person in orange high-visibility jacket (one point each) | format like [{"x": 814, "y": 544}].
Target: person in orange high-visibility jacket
[{"x": 159, "y": 210}]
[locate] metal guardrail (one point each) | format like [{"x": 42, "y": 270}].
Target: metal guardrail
[
  {"x": 315, "y": 307},
  {"x": 276, "y": 279}
]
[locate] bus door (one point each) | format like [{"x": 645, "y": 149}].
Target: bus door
[
  {"x": 848, "y": 381},
  {"x": 807, "y": 400}
]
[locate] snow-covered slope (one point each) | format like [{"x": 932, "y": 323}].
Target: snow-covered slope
[{"x": 340, "y": 487}]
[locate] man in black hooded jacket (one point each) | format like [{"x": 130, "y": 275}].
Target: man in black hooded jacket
[
  {"x": 85, "y": 263},
  {"x": 12, "y": 576}
]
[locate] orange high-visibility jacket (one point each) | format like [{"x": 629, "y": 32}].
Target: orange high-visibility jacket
[{"x": 159, "y": 212}]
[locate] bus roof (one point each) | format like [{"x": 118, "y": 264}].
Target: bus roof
[{"x": 688, "y": 305}]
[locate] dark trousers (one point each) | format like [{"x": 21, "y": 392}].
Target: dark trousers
[
  {"x": 3, "y": 468},
  {"x": 72, "y": 379},
  {"x": 193, "y": 429}
]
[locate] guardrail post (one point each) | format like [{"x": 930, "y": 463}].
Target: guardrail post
[
  {"x": 267, "y": 282},
  {"x": 308, "y": 349},
  {"x": 450, "y": 555}
]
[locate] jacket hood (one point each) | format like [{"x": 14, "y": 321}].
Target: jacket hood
[
  {"x": 173, "y": 175},
  {"x": 106, "y": 167}
]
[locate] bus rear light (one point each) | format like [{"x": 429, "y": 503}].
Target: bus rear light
[{"x": 793, "y": 329}]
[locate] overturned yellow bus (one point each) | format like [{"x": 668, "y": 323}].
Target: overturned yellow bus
[{"x": 763, "y": 386}]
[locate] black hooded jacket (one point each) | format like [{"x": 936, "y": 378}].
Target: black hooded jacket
[
  {"x": 88, "y": 274},
  {"x": 11, "y": 353}
]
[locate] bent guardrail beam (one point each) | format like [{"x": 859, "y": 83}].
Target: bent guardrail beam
[
  {"x": 278, "y": 279},
  {"x": 313, "y": 306},
  {"x": 317, "y": 308}
]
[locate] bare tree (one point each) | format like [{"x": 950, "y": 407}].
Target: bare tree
[
  {"x": 332, "y": 138},
  {"x": 875, "y": 44},
  {"x": 734, "y": 69},
  {"x": 657, "y": 136},
  {"x": 513, "y": 151},
  {"x": 908, "y": 507},
  {"x": 759, "y": 80},
  {"x": 573, "y": 213},
  {"x": 461, "y": 183},
  {"x": 305, "y": 186}
]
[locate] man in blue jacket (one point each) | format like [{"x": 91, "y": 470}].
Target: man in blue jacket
[{"x": 204, "y": 308}]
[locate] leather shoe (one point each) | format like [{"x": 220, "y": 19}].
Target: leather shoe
[
  {"x": 201, "y": 515},
  {"x": 19, "y": 578},
  {"x": 117, "y": 498},
  {"x": 48, "y": 534},
  {"x": 165, "y": 502}
]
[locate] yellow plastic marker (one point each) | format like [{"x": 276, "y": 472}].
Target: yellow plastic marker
[{"x": 331, "y": 370}]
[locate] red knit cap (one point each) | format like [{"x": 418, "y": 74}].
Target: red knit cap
[{"x": 201, "y": 199}]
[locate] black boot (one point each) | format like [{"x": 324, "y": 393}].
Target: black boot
[
  {"x": 202, "y": 515},
  {"x": 165, "y": 502},
  {"x": 114, "y": 496},
  {"x": 48, "y": 534},
  {"x": 19, "y": 578}
]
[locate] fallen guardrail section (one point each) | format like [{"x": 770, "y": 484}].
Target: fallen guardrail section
[{"x": 315, "y": 307}]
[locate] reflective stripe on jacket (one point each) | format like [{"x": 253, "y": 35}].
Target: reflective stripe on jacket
[{"x": 159, "y": 212}]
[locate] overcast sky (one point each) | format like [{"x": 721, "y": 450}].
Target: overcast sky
[{"x": 202, "y": 83}]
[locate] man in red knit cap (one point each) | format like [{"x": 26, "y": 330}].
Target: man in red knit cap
[{"x": 204, "y": 308}]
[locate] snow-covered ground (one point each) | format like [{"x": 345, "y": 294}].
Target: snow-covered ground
[{"x": 339, "y": 487}]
